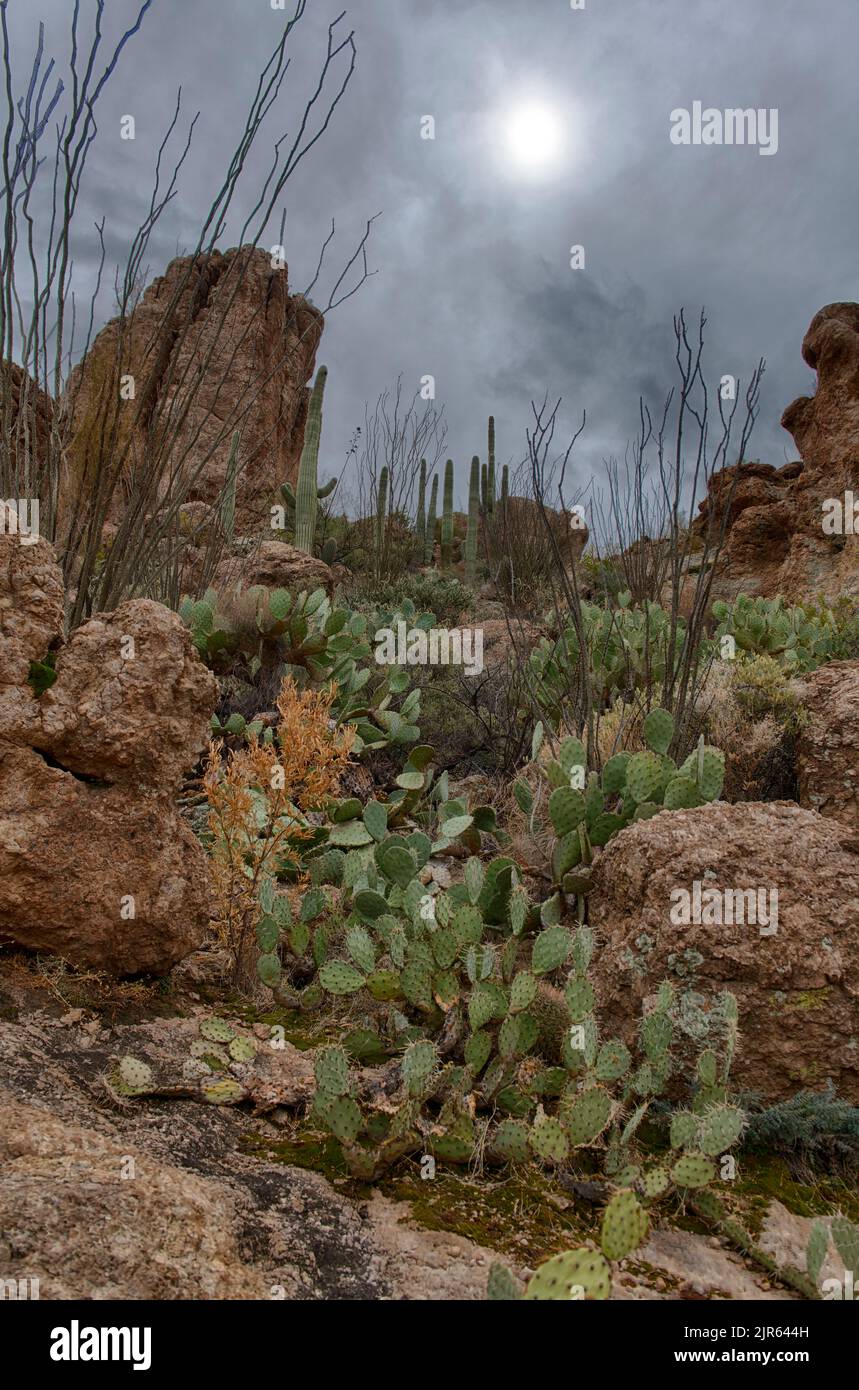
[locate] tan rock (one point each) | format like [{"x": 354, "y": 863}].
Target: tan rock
[
  {"x": 218, "y": 342},
  {"x": 503, "y": 641},
  {"x": 31, "y": 606},
  {"x": 132, "y": 700},
  {"x": 96, "y": 866},
  {"x": 29, "y": 419},
  {"x": 827, "y": 747},
  {"x": 775, "y": 543},
  {"x": 120, "y": 1223},
  {"x": 797, "y": 990},
  {"x": 274, "y": 565},
  {"x": 76, "y": 858}
]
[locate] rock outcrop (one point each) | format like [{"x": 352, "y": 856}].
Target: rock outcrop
[
  {"x": 216, "y": 344},
  {"x": 776, "y": 542},
  {"x": 274, "y": 565},
  {"x": 797, "y": 988},
  {"x": 96, "y": 865},
  {"x": 827, "y": 746}
]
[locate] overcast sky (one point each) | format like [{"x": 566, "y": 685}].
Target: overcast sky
[{"x": 474, "y": 283}]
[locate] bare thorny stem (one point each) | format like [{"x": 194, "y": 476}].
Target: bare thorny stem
[
  {"x": 152, "y": 482},
  {"x": 648, "y": 529}
]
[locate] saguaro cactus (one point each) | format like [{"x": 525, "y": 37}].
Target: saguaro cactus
[
  {"x": 381, "y": 513},
  {"x": 307, "y": 491},
  {"x": 473, "y": 521},
  {"x": 433, "y": 508},
  {"x": 505, "y": 488},
  {"x": 447, "y": 516},
  {"x": 421, "y": 520},
  {"x": 490, "y": 469}
]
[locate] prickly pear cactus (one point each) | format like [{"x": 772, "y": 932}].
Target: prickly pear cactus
[
  {"x": 624, "y": 1226},
  {"x": 134, "y": 1078},
  {"x": 576, "y": 1274}
]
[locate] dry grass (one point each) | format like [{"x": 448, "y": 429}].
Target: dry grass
[{"x": 751, "y": 709}]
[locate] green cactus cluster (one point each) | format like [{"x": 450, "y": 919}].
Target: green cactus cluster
[
  {"x": 587, "y": 811},
  {"x": 317, "y": 643},
  {"x": 626, "y": 648},
  {"x": 799, "y": 638}
]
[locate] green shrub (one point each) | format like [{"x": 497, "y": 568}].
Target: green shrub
[{"x": 442, "y": 594}]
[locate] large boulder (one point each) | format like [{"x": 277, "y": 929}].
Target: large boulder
[
  {"x": 797, "y": 988},
  {"x": 827, "y": 747},
  {"x": 274, "y": 565},
  {"x": 97, "y": 875},
  {"x": 132, "y": 700},
  {"x": 775, "y": 541},
  {"x": 31, "y": 624},
  {"x": 96, "y": 865},
  {"x": 216, "y": 344}
]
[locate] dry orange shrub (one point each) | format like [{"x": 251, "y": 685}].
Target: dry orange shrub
[{"x": 259, "y": 797}]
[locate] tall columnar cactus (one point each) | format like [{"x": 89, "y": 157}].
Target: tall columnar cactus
[
  {"x": 431, "y": 519},
  {"x": 473, "y": 520},
  {"x": 228, "y": 495},
  {"x": 505, "y": 488},
  {"x": 484, "y": 491},
  {"x": 381, "y": 513},
  {"x": 447, "y": 517},
  {"x": 421, "y": 519},
  {"x": 307, "y": 492},
  {"x": 490, "y": 469}
]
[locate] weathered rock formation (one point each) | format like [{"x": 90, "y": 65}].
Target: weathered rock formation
[
  {"x": 775, "y": 542},
  {"x": 216, "y": 344},
  {"x": 96, "y": 866},
  {"x": 827, "y": 746},
  {"x": 797, "y": 990},
  {"x": 274, "y": 565},
  {"x": 27, "y": 415}
]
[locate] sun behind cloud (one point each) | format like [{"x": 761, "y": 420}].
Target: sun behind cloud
[{"x": 534, "y": 134}]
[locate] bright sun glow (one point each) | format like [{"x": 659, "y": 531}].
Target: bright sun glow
[{"x": 534, "y": 138}]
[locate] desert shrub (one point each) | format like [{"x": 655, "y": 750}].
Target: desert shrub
[
  {"x": 813, "y": 1130},
  {"x": 751, "y": 709},
  {"x": 259, "y": 797},
  {"x": 601, "y": 577},
  {"x": 449, "y": 600}
]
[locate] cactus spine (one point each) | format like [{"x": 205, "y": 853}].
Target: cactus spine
[
  {"x": 421, "y": 521},
  {"x": 490, "y": 471},
  {"x": 430, "y": 536},
  {"x": 473, "y": 518},
  {"x": 307, "y": 490},
  {"x": 447, "y": 516}
]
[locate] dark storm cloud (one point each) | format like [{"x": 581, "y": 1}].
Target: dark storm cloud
[{"x": 474, "y": 282}]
